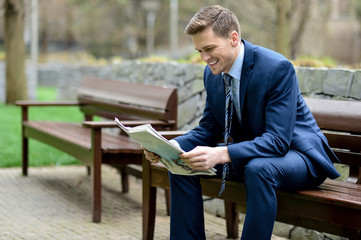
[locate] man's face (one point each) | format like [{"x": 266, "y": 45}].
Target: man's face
[{"x": 219, "y": 53}]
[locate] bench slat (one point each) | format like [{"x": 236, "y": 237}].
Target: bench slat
[
  {"x": 120, "y": 110},
  {"x": 341, "y": 184},
  {"x": 45, "y": 103},
  {"x": 344, "y": 141},
  {"x": 126, "y": 93},
  {"x": 332, "y": 195},
  {"x": 336, "y": 115},
  {"x": 348, "y": 158}
]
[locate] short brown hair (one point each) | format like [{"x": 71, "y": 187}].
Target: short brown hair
[{"x": 222, "y": 21}]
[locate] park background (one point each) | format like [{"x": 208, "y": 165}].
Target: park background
[
  {"x": 310, "y": 32},
  {"x": 143, "y": 41}
]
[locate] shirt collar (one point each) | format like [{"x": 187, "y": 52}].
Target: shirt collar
[{"x": 236, "y": 68}]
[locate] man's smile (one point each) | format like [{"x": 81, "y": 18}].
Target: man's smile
[{"x": 213, "y": 62}]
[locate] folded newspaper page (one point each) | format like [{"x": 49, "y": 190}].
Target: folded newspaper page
[{"x": 151, "y": 140}]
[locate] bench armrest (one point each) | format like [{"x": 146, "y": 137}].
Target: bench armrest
[
  {"x": 127, "y": 123},
  {"x": 23, "y": 103}
]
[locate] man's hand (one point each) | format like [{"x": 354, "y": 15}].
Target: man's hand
[
  {"x": 204, "y": 158},
  {"x": 151, "y": 156}
]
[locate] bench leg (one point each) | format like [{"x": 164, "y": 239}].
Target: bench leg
[
  {"x": 96, "y": 175},
  {"x": 96, "y": 194},
  {"x": 25, "y": 141},
  {"x": 167, "y": 200},
  {"x": 25, "y": 156},
  {"x": 124, "y": 179},
  {"x": 149, "y": 203},
  {"x": 232, "y": 219}
]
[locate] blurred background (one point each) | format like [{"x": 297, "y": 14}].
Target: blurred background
[
  {"x": 128, "y": 29},
  {"x": 47, "y": 46}
]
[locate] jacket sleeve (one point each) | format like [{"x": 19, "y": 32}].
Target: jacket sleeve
[{"x": 208, "y": 133}]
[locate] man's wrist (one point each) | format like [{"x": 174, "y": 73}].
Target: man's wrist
[{"x": 225, "y": 153}]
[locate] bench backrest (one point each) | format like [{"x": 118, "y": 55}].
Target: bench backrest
[
  {"x": 341, "y": 123},
  {"x": 127, "y": 101}
]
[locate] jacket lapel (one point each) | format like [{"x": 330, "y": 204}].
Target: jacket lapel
[
  {"x": 221, "y": 94},
  {"x": 247, "y": 71}
]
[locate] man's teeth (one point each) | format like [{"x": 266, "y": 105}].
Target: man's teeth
[{"x": 213, "y": 62}]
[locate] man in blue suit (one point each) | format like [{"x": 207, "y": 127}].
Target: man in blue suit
[{"x": 276, "y": 143}]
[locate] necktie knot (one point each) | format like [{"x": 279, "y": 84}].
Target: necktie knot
[{"x": 227, "y": 79}]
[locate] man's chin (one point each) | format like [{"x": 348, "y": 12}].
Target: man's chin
[{"x": 215, "y": 71}]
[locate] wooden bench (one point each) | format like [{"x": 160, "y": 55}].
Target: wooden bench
[
  {"x": 334, "y": 207},
  {"x": 132, "y": 103}
]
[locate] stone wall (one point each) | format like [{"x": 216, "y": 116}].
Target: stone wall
[{"x": 330, "y": 83}]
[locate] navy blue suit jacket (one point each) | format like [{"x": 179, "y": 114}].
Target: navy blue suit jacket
[{"x": 275, "y": 117}]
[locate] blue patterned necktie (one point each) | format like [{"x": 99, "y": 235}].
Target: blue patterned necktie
[{"x": 228, "y": 123}]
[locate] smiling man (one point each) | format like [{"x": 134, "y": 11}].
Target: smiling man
[{"x": 271, "y": 139}]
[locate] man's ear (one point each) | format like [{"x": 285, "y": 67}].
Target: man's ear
[{"x": 235, "y": 39}]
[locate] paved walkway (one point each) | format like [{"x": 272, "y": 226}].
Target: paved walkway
[{"x": 54, "y": 203}]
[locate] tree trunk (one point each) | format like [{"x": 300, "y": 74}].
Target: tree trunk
[
  {"x": 16, "y": 87},
  {"x": 284, "y": 27},
  {"x": 69, "y": 36},
  {"x": 43, "y": 30},
  {"x": 304, "y": 9}
]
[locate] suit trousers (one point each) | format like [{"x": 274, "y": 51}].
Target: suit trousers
[{"x": 261, "y": 176}]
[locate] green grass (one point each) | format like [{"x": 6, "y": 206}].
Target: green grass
[{"x": 39, "y": 154}]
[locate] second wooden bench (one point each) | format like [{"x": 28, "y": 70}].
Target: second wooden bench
[{"x": 132, "y": 103}]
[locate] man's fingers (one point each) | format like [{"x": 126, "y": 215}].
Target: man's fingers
[
  {"x": 152, "y": 157},
  {"x": 198, "y": 151}
]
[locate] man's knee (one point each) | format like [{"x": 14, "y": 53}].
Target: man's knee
[{"x": 258, "y": 169}]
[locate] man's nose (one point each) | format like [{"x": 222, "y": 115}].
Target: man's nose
[{"x": 205, "y": 56}]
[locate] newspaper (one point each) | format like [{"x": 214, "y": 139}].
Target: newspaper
[{"x": 151, "y": 140}]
